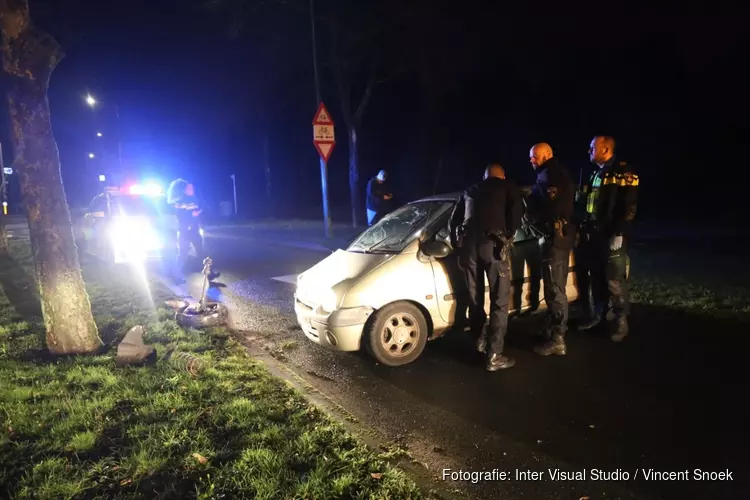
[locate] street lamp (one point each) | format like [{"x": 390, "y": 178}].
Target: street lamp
[{"x": 92, "y": 102}]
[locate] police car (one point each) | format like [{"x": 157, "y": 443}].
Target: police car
[{"x": 131, "y": 224}]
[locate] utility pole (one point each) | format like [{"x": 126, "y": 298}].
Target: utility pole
[
  {"x": 119, "y": 136},
  {"x": 3, "y": 233},
  {"x": 234, "y": 191},
  {"x": 323, "y": 162}
]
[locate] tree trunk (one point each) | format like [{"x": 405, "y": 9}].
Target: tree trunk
[
  {"x": 352, "y": 117},
  {"x": 427, "y": 137},
  {"x": 29, "y": 57},
  {"x": 3, "y": 237},
  {"x": 353, "y": 173}
]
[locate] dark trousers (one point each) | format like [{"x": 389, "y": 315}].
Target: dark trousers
[
  {"x": 604, "y": 273},
  {"x": 555, "y": 267},
  {"x": 478, "y": 260},
  {"x": 189, "y": 235}
]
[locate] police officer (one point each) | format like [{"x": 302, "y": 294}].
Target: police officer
[
  {"x": 492, "y": 214},
  {"x": 550, "y": 203},
  {"x": 181, "y": 196},
  {"x": 611, "y": 197}
]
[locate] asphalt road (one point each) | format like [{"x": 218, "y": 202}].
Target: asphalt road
[{"x": 669, "y": 398}]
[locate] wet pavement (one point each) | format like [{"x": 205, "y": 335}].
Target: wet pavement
[{"x": 668, "y": 399}]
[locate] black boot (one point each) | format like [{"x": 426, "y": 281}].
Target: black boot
[
  {"x": 556, "y": 345},
  {"x": 499, "y": 362},
  {"x": 482, "y": 342},
  {"x": 593, "y": 321},
  {"x": 622, "y": 329}
]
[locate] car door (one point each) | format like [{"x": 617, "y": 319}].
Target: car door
[
  {"x": 450, "y": 285},
  {"x": 95, "y": 224}
]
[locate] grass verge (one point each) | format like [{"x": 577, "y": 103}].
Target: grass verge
[
  {"x": 706, "y": 284},
  {"x": 81, "y": 427}
]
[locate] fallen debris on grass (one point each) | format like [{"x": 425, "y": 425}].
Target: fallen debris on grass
[{"x": 82, "y": 427}]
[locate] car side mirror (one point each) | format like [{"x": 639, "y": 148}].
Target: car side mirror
[{"x": 437, "y": 249}]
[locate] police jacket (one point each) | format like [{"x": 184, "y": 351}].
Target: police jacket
[
  {"x": 184, "y": 207},
  {"x": 553, "y": 195},
  {"x": 612, "y": 198},
  {"x": 492, "y": 205}
]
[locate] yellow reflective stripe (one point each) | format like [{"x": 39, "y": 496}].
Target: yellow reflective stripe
[
  {"x": 591, "y": 201},
  {"x": 623, "y": 180}
]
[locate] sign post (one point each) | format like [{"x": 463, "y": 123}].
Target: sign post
[
  {"x": 4, "y": 185},
  {"x": 234, "y": 192},
  {"x": 324, "y": 139}
]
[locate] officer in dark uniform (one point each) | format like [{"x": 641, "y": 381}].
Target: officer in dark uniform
[
  {"x": 550, "y": 203},
  {"x": 187, "y": 211},
  {"x": 492, "y": 214},
  {"x": 611, "y": 198}
]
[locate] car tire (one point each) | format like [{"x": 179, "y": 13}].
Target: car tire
[
  {"x": 396, "y": 334},
  {"x": 215, "y": 315}
]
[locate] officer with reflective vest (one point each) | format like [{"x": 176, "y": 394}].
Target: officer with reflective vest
[
  {"x": 550, "y": 203},
  {"x": 611, "y": 201}
]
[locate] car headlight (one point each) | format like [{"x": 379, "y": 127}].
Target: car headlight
[
  {"x": 325, "y": 297},
  {"x": 328, "y": 300},
  {"x": 134, "y": 234}
]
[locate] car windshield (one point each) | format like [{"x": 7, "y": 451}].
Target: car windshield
[
  {"x": 398, "y": 229},
  {"x": 136, "y": 205}
]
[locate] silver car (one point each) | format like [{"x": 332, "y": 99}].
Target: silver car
[{"x": 396, "y": 285}]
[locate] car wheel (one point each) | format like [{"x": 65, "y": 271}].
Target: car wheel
[{"x": 397, "y": 334}]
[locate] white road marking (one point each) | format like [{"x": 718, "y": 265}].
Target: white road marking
[{"x": 290, "y": 278}]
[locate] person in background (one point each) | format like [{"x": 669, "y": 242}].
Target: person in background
[
  {"x": 379, "y": 197},
  {"x": 492, "y": 214}
]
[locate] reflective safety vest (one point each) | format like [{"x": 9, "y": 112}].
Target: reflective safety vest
[{"x": 592, "y": 191}]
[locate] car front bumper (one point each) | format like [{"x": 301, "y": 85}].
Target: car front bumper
[
  {"x": 340, "y": 330},
  {"x": 131, "y": 257}
]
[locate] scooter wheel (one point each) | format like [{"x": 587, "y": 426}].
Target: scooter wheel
[{"x": 213, "y": 315}]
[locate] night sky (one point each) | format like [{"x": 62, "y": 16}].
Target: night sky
[{"x": 460, "y": 84}]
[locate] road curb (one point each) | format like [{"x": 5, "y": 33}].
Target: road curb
[
  {"x": 430, "y": 485},
  {"x": 427, "y": 483}
]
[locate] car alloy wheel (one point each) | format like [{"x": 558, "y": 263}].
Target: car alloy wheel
[{"x": 397, "y": 334}]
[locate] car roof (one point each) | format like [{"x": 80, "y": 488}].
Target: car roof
[{"x": 455, "y": 196}]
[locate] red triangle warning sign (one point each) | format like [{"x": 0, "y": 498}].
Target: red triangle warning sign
[
  {"x": 322, "y": 116},
  {"x": 324, "y": 149}
]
